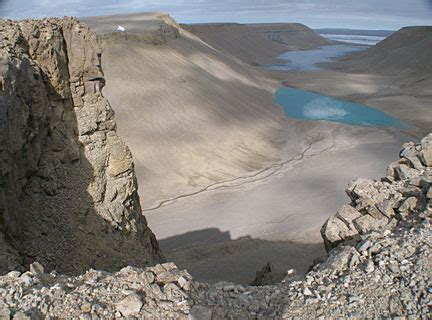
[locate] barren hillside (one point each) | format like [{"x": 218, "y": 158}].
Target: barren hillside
[
  {"x": 191, "y": 115},
  {"x": 296, "y": 36},
  {"x": 240, "y": 40},
  {"x": 258, "y": 43},
  {"x": 406, "y": 52}
]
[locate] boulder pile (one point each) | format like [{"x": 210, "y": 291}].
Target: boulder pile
[
  {"x": 379, "y": 265},
  {"x": 377, "y": 205}
]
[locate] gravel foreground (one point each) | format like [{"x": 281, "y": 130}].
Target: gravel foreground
[{"x": 379, "y": 265}]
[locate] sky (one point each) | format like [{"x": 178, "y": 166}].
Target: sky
[{"x": 356, "y": 14}]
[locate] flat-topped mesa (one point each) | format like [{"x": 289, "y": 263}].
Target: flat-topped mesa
[
  {"x": 151, "y": 28},
  {"x": 68, "y": 192}
]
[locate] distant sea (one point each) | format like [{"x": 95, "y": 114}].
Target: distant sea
[
  {"x": 357, "y": 39},
  {"x": 365, "y": 37}
]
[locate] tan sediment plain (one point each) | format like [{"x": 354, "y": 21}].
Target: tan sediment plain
[{"x": 227, "y": 182}]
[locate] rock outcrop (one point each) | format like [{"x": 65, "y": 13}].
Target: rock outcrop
[
  {"x": 68, "y": 193},
  {"x": 383, "y": 270},
  {"x": 377, "y": 205}
]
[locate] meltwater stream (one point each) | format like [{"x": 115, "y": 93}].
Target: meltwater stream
[{"x": 302, "y": 104}]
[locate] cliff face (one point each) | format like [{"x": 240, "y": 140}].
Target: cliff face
[{"x": 68, "y": 192}]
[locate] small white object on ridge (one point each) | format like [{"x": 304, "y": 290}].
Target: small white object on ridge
[{"x": 121, "y": 28}]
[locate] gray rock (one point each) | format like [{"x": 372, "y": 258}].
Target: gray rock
[
  {"x": 200, "y": 313},
  {"x": 166, "y": 277},
  {"x": 182, "y": 281},
  {"x": 364, "y": 224},
  {"x": 20, "y": 315},
  {"x": 364, "y": 246},
  {"x": 386, "y": 208},
  {"x": 369, "y": 267},
  {"x": 36, "y": 268},
  {"x": 130, "y": 305},
  {"x": 307, "y": 292},
  {"x": 334, "y": 231},
  {"x": 408, "y": 205},
  {"x": 4, "y": 312},
  {"x": 429, "y": 193},
  {"x": 14, "y": 274},
  {"x": 426, "y": 153},
  {"x": 150, "y": 277},
  {"x": 26, "y": 279},
  {"x": 347, "y": 214},
  {"x": 404, "y": 172}
]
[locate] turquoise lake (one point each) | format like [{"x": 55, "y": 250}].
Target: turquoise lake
[{"x": 306, "y": 105}]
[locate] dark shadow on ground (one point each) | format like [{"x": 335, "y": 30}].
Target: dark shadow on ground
[{"x": 210, "y": 255}]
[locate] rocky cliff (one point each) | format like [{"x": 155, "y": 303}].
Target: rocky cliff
[{"x": 68, "y": 193}]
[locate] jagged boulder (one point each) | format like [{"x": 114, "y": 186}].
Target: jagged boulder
[
  {"x": 379, "y": 204},
  {"x": 426, "y": 153},
  {"x": 68, "y": 192}
]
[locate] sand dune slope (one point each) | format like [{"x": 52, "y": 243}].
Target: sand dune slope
[{"x": 190, "y": 114}]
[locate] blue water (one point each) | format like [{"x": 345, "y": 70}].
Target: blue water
[
  {"x": 307, "y": 60},
  {"x": 301, "y": 104},
  {"x": 356, "y": 39}
]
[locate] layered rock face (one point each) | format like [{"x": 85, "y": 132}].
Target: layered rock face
[{"x": 68, "y": 193}]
